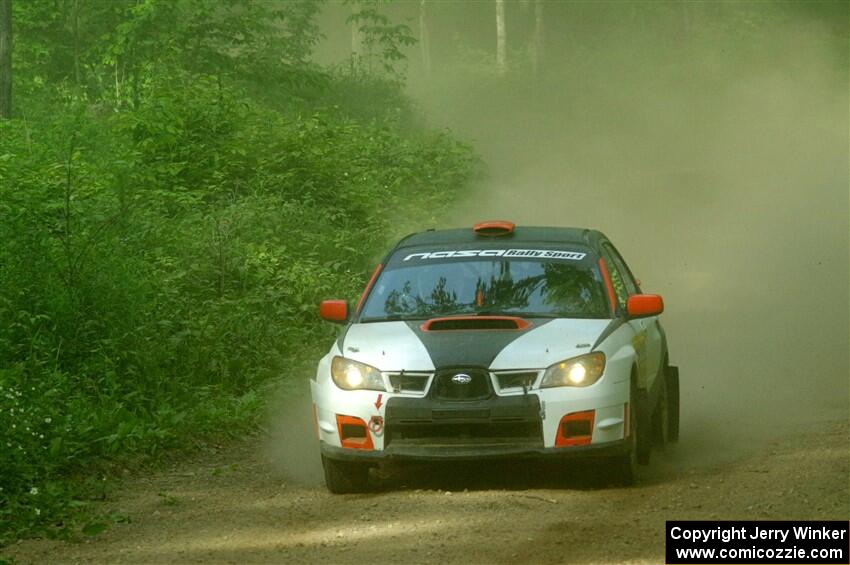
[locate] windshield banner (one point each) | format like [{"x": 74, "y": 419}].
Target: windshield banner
[{"x": 509, "y": 253}]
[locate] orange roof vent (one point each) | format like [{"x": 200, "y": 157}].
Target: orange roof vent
[{"x": 494, "y": 228}]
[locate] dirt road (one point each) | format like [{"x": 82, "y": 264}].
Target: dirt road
[{"x": 238, "y": 507}]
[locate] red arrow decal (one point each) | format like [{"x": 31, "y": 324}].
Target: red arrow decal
[{"x": 378, "y": 402}]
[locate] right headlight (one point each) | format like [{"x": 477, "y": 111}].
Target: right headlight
[
  {"x": 583, "y": 370},
  {"x": 349, "y": 374}
]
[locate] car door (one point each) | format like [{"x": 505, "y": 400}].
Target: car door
[{"x": 648, "y": 339}]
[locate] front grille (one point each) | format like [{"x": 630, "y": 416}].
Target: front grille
[
  {"x": 461, "y": 384},
  {"x": 493, "y": 421},
  {"x": 480, "y": 434},
  {"x": 409, "y": 382},
  {"x": 516, "y": 381}
]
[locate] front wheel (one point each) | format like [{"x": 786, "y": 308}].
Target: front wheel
[
  {"x": 672, "y": 377},
  {"x": 661, "y": 416},
  {"x": 625, "y": 466},
  {"x": 343, "y": 477},
  {"x": 643, "y": 428}
]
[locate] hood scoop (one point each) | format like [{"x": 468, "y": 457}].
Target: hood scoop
[{"x": 482, "y": 323}]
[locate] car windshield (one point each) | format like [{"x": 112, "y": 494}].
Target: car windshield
[{"x": 524, "y": 287}]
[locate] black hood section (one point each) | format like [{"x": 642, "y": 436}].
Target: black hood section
[{"x": 454, "y": 348}]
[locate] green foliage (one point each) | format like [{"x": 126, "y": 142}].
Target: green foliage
[
  {"x": 107, "y": 50},
  {"x": 383, "y": 41},
  {"x": 164, "y": 251}
]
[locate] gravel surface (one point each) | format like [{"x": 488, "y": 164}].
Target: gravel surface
[{"x": 238, "y": 506}]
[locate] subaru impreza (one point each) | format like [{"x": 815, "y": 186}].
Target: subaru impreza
[{"x": 495, "y": 341}]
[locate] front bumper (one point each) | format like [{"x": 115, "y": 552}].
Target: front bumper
[
  {"x": 477, "y": 452},
  {"x": 435, "y": 424}
]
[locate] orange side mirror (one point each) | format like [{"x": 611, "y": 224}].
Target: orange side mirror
[
  {"x": 641, "y": 305},
  {"x": 334, "y": 311}
]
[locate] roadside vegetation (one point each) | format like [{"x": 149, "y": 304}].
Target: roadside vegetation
[{"x": 179, "y": 187}]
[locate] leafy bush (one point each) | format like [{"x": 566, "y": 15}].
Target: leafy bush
[{"x": 160, "y": 266}]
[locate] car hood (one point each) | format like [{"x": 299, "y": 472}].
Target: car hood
[{"x": 396, "y": 346}]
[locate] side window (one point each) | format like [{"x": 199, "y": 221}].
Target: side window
[
  {"x": 624, "y": 270},
  {"x": 631, "y": 285},
  {"x": 617, "y": 281}
]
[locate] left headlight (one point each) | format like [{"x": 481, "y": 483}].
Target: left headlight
[
  {"x": 353, "y": 375},
  {"x": 577, "y": 371}
]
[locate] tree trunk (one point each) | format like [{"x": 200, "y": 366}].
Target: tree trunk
[
  {"x": 76, "y": 27},
  {"x": 356, "y": 40},
  {"x": 134, "y": 83},
  {"x": 424, "y": 38},
  {"x": 538, "y": 40},
  {"x": 5, "y": 59},
  {"x": 501, "y": 62}
]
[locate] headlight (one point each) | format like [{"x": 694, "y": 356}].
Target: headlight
[
  {"x": 352, "y": 375},
  {"x": 578, "y": 371}
]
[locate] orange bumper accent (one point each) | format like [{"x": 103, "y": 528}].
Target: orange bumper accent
[
  {"x": 575, "y": 429},
  {"x": 353, "y": 432}
]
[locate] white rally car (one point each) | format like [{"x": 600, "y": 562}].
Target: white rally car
[{"x": 496, "y": 341}]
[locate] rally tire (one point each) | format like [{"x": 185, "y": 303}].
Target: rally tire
[
  {"x": 624, "y": 467},
  {"x": 643, "y": 428},
  {"x": 345, "y": 477},
  {"x": 661, "y": 415},
  {"x": 672, "y": 378}
]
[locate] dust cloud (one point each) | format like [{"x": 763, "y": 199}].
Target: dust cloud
[
  {"x": 292, "y": 446},
  {"x": 717, "y": 162},
  {"x": 710, "y": 143}
]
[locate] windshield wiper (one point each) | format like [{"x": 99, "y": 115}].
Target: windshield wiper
[
  {"x": 542, "y": 315},
  {"x": 392, "y": 318},
  {"x": 496, "y": 313},
  {"x": 516, "y": 314}
]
